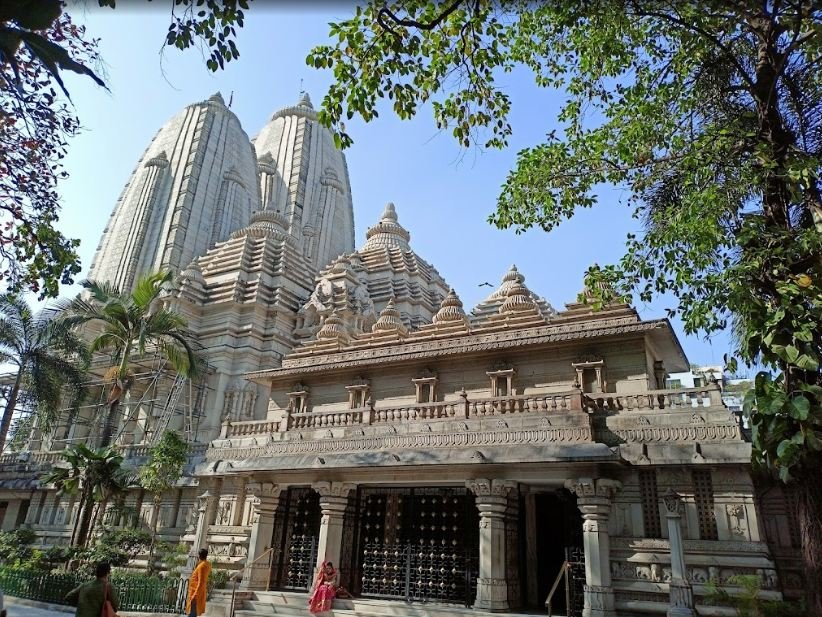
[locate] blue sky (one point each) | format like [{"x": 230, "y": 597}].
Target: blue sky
[{"x": 443, "y": 194}]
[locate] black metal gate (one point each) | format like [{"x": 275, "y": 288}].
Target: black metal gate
[
  {"x": 295, "y": 537},
  {"x": 418, "y": 544},
  {"x": 575, "y": 556}
]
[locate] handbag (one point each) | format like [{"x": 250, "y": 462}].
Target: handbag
[{"x": 108, "y": 609}]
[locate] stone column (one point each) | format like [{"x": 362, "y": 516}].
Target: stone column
[
  {"x": 682, "y": 596},
  {"x": 206, "y": 509},
  {"x": 594, "y": 501},
  {"x": 266, "y": 500},
  {"x": 10, "y": 519},
  {"x": 333, "y": 502},
  {"x": 492, "y": 582}
]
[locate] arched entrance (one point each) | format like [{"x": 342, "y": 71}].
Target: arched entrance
[{"x": 295, "y": 538}]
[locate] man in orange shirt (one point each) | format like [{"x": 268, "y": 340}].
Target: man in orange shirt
[{"x": 198, "y": 586}]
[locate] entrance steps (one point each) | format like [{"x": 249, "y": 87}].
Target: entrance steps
[{"x": 285, "y": 604}]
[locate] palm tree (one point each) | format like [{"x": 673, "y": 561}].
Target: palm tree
[
  {"x": 96, "y": 476},
  {"x": 131, "y": 322},
  {"x": 50, "y": 360}
]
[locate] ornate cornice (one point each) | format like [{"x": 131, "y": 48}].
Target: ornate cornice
[
  {"x": 412, "y": 349},
  {"x": 404, "y": 442}
]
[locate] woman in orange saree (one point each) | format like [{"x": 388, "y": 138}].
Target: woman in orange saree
[{"x": 324, "y": 589}]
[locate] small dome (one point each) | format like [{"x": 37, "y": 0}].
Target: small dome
[
  {"x": 389, "y": 320},
  {"x": 193, "y": 273},
  {"x": 332, "y": 329},
  {"x": 518, "y": 300},
  {"x": 513, "y": 276},
  {"x": 305, "y": 101},
  {"x": 451, "y": 309},
  {"x": 265, "y": 223},
  {"x": 388, "y": 232}
]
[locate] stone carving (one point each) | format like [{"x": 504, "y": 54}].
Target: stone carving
[
  {"x": 593, "y": 487},
  {"x": 697, "y": 419},
  {"x": 224, "y": 512},
  {"x": 394, "y": 441},
  {"x": 333, "y": 489},
  {"x": 737, "y": 522},
  {"x": 672, "y": 501},
  {"x": 490, "y": 488}
]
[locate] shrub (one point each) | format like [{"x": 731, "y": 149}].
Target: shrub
[
  {"x": 217, "y": 580},
  {"x": 15, "y": 546},
  {"x": 748, "y": 602}
]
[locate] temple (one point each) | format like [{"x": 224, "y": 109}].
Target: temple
[{"x": 354, "y": 411}]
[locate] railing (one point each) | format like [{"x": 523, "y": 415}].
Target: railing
[
  {"x": 268, "y": 554},
  {"x": 328, "y": 419},
  {"x": 654, "y": 399},
  {"x": 562, "y": 574},
  {"x": 252, "y": 427},
  {"x": 527, "y": 403},
  {"x": 142, "y": 594},
  {"x": 419, "y": 411}
]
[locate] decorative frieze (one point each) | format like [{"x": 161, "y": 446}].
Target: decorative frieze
[{"x": 396, "y": 441}]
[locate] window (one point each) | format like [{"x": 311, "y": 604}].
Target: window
[
  {"x": 502, "y": 380},
  {"x": 698, "y": 382},
  {"x": 673, "y": 384},
  {"x": 704, "y": 497},
  {"x": 650, "y": 503}
]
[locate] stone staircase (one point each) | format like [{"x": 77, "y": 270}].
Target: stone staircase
[{"x": 273, "y": 603}]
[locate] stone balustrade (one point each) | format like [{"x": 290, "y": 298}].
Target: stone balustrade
[
  {"x": 528, "y": 403},
  {"x": 651, "y": 400},
  {"x": 328, "y": 419},
  {"x": 419, "y": 411},
  {"x": 253, "y": 427}
]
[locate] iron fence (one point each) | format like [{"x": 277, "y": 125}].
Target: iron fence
[{"x": 135, "y": 593}]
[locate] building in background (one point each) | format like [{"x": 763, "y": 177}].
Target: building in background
[{"x": 354, "y": 411}]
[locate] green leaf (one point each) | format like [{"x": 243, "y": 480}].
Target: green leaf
[{"x": 800, "y": 407}]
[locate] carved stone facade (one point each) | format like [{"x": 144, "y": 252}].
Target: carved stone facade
[{"x": 354, "y": 412}]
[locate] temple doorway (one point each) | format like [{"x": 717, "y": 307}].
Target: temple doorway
[
  {"x": 295, "y": 539},
  {"x": 558, "y": 538},
  {"x": 416, "y": 544}
]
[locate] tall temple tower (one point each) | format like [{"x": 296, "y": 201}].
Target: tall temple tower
[
  {"x": 304, "y": 177},
  {"x": 195, "y": 184}
]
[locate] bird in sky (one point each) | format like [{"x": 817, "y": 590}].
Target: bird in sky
[{"x": 486, "y": 284}]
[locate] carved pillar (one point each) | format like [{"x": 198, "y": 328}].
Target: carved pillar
[
  {"x": 333, "y": 501},
  {"x": 205, "y": 512},
  {"x": 682, "y": 596},
  {"x": 266, "y": 500},
  {"x": 492, "y": 583},
  {"x": 594, "y": 501}
]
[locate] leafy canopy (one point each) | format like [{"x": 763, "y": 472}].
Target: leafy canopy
[
  {"x": 38, "y": 43},
  {"x": 50, "y": 360},
  {"x": 709, "y": 114},
  {"x": 165, "y": 465}
]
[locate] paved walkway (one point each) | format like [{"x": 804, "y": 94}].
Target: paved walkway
[{"x": 19, "y": 610}]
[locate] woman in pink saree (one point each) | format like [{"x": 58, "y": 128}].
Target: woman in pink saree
[{"x": 324, "y": 590}]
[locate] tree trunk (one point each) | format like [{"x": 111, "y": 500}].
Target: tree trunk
[
  {"x": 86, "y": 511},
  {"x": 108, "y": 428},
  {"x": 809, "y": 491},
  {"x": 5, "y": 423},
  {"x": 155, "y": 515}
]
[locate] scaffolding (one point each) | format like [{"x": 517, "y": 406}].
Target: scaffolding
[{"x": 156, "y": 397}]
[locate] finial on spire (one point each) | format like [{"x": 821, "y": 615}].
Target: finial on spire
[{"x": 390, "y": 212}]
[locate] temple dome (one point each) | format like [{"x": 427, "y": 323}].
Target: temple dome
[
  {"x": 388, "y": 232},
  {"x": 303, "y": 175},
  {"x": 512, "y": 296},
  {"x": 451, "y": 309},
  {"x": 199, "y": 170},
  {"x": 389, "y": 320},
  {"x": 361, "y": 283}
]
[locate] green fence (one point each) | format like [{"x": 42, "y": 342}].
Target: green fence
[{"x": 136, "y": 593}]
